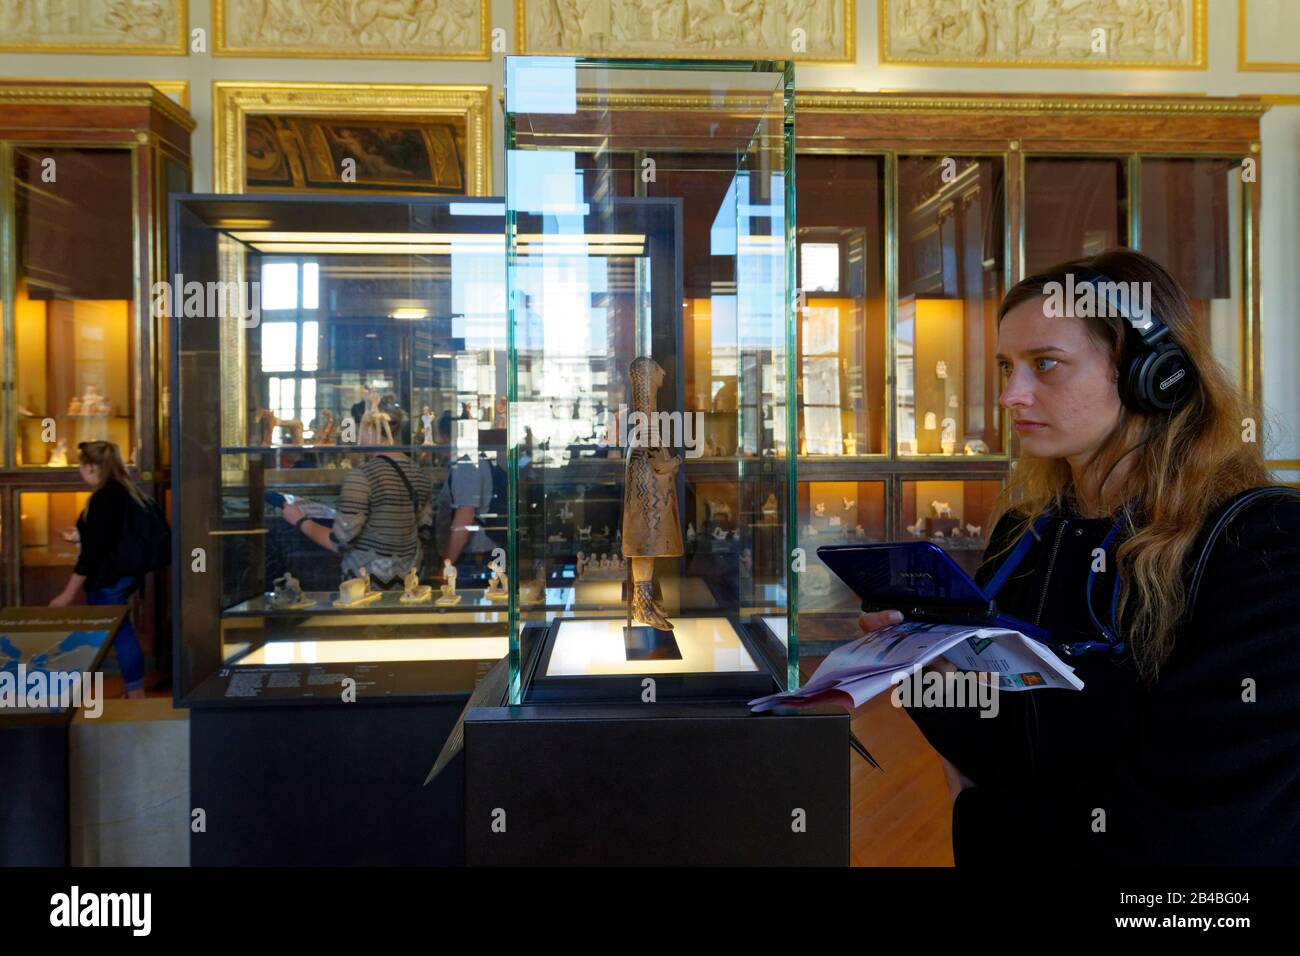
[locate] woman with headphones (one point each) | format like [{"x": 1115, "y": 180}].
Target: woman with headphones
[{"x": 1139, "y": 528}]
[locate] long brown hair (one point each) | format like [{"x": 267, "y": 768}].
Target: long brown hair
[
  {"x": 105, "y": 456},
  {"x": 1184, "y": 463}
]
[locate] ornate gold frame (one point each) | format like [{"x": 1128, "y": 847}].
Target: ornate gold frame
[
  {"x": 1198, "y": 44},
  {"x": 233, "y": 101},
  {"x": 1244, "y": 65},
  {"x": 221, "y": 48},
  {"x": 178, "y": 48},
  {"x": 850, "y": 54}
]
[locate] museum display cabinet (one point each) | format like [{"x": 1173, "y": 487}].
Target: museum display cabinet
[
  {"x": 317, "y": 338},
  {"x": 650, "y": 287},
  {"x": 85, "y": 172},
  {"x": 916, "y": 213}
]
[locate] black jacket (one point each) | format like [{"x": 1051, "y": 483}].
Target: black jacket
[
  {"x": 1185, "y": 770},
  {"x": 101, "y": 529}
]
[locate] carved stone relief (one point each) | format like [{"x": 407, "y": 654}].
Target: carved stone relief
[
  {"x": 794, "y": 29},
  {"x": 387, "y": 28},
  {"x": 1102, "y": 33},
  {"x": 134, "y": 26}
]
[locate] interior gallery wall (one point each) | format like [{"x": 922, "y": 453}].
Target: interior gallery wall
[{"x": 1233, "y": 60}]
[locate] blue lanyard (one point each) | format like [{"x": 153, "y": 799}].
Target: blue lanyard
[{"x": 1112, "y": 641}]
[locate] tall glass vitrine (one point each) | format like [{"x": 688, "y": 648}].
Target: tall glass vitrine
[{"x": 651, "y": 291}]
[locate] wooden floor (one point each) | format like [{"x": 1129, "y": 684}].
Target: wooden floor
[{"x": 903, "y": 816}]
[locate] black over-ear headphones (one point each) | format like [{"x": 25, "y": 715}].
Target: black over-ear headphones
[{"x": 1155, "y": 374}]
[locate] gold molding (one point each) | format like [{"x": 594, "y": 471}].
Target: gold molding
[
  {"x": 1244, "y": 65},
  {"x": 179, "y": 47},
  {"x": 232, "y": 101},
  {"x": 129, "y": 93},
  {"x": 178, "y": 90},
  {"x": 1198, "y": 61},
  {"x": 221, "y": 48},
  {"x": 1280, "y": 99},
  {"x": 837, "y": 102},
  {"x": 849, "y": 56}
]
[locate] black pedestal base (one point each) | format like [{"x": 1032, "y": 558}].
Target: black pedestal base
[{"x": 656, "y": 784}]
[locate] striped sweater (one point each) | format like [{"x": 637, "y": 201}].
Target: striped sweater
[{"x": 375, "y": 526}]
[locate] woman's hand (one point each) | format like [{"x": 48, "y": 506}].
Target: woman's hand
[
  {"x": 869, "y": 621},
  {"x": 64, "y": 599},
  {"x": 70, "y": 535},
  {"x": 291, "y": 513}
]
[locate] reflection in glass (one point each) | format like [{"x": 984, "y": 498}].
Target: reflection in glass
[
  {"x": 1191, "y": 224},
  {"x": 380, "y": 337},
  {"x": 950, "y": 280},
  {"x": 842, "y": 317},
  {"x": 46, "y": 557},
  {"x": 1074, "y": 207}
]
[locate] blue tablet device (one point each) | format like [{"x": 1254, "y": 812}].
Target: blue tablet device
[{"x": 920, "y": 579}]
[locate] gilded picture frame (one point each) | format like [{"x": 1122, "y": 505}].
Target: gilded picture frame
[
  {"x": 340, "y": 30},
  {"x": 1065, "y": 39},
  {"x": 147, "y": 28},
  {"x": 404, "y": 110}
]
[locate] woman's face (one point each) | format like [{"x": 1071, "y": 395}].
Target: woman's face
[
  {"x": 90, "y": 474},
  {"x": 1059, "y": 383}
]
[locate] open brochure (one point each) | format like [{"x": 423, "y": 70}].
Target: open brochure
[{"x": 856, "y": 672}]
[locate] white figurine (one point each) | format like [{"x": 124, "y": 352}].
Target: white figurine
[
  {"x": 941, "y": 369},
  {"x": 449, "y": 595},
  {"x": 580, "y": 564},
  {"x": 414, "y": 592},
  {"x": 820, "y": 509},
  {"x": 769, "y": 506},
  {"x": 719, "y": 534},
  {"x": 850, "y": 444},
  {"x": 357, "y": 591},
  {"x": 426, "y": 419},
  {"x": 584, "y": 534},
  {"x": 948, "y": 437},
  {"x": 848, "y": 503},
  {"x": 690, "y": 533},
  {"x": 915, "y": 529},
  {"x": 59, "y": 457},
  {"x": 565, "y": 512},
  {"x": 975, "y": 530},
  {"x": 975, "y": 446},
  {"x": 942, "y": 509}
]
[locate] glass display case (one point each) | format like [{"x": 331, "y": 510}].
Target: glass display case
[
  {"x": 652, "y": 393},
  {"x": 86, "y": 168},
  {"x": 340, "y": 436}
]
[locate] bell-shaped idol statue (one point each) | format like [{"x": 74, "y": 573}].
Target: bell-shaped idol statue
[{"x": 651, "y": 525}]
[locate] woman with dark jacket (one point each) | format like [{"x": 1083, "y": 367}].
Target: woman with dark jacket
[
  {"x": 99, "y": 529},
  {"x": 1184, "y": 745}
]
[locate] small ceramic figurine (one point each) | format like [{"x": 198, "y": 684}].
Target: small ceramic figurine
[
  {"x": 975, "y": 446},
  {"x": 414, "y": 592},
  {"x": 850, "y": 444},
  {"x": 496, "y": 589},
  {"x": 848, "y": 503},
  {"x": 690, "y": 533},
  {"x": 74, "y": 405},
  {"x": 719, "y": 534},
  {"x": 580, "y": 564},
  {"x": 820, "y": 509},
  {"x": 941, "y": 369},
  {"x": 566, "y": 513},
  {"x": 931, "y": 422},
  {"x": 288, "y": 593},
  {"x": 584, "y": 534},
  {"x": 449, "y": 595},
  {"x": 915, "y": 529},
  {"x": 426, "y": 419},
  {"x": 324, "y": 428},
  {"x": 355, "y": 592},
  {"x": 769, "y": 506},
  {"x": 975, "y": 530},
  {"x": 942, "y": 509},
  {"x": 948, "y": 437},
  {"x": 59, "y": 457}
]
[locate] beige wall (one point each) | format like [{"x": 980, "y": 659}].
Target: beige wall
[{"x": 1281, "y": 133}]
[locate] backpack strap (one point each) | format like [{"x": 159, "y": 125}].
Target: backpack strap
[{"x": 1238, "y": 503}]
